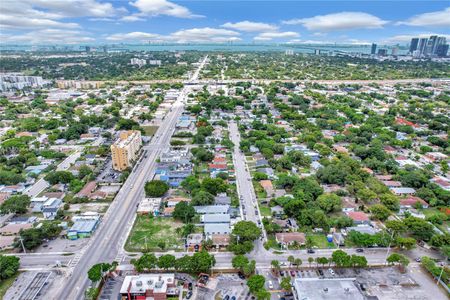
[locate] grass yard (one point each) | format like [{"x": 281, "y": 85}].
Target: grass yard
[
  {"x": 154, "y": 234},
  {"x": 321, "y": 242},
  {"x": 150, "y": 130},
  {"x": 6, "y": 284},
  {"x": 265, "y": 210}
]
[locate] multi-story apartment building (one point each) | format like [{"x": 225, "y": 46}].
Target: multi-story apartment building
[{"x": 125, "y": 150}]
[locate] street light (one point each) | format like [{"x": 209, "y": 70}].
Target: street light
[
  {"x": 442, "y": 271},
  {"x": 389, "y": 247}
]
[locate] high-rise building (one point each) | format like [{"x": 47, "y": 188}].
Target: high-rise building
[
  {"x": 124, "y": 151},
  {"x": 431, "y": 45},
  {"x": 373, "y": 50},
  {"x": 382, "y": 52},
  {"x": 422, "y": 45},
  {"x": 414, "y": 45},
  {"x": 395, "y": 51}
]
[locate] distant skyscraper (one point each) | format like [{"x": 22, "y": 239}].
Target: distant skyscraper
[
  {"x": 382, "y": 52},
  {"x": 431, "y": 45},
  {"x": 422, "y": 45},
  {"x": 395, "y": 51},
  {"x": 374, "y": 49},
  {"x": 414, "y": 44}
]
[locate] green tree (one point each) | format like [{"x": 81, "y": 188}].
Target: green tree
[
  {"x": 246, "y": 231},
  {"x": 256, "y": 283},
  {"x": 340, "y": 258},
  {"x": 59, "y": 177},
  {"x": 406, "y": 243},
  {"x": 202, "y": 198},
  {"x": 285, "y": 284},
  {"x": 9, "y": 265},
  {"x": 156, "y": 188},
  {"x": 202, "y": 262},
  {"x": 310, "y": 261},
  {"x": 390, "y": 201},
  {"x": 17, "y": 204},
  {"x": 380, "y": 212},
  {"x": 184, "y": 212},
  {"x": 147, "y": 261},
  {"x": 263, "y": 294},
  {"x": 290, "y": 259},
  {"x": 329, "y": 202},
  {"x": 239, "y": 261},
  {"x": 275, "y": 265},
  {"x": 166, "y": 261}
]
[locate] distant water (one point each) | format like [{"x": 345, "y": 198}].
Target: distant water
[{"x": 297, "y": 48}]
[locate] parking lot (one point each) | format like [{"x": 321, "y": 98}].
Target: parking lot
[
  {"x": 229, "y": 286},
  {"x": 111, "y": 288},
  {"x": 62, "y": 245}
]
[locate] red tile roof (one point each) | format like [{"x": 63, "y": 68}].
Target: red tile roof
[{"x": 358, "y": 216}]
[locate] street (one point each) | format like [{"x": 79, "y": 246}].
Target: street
[{"x": 107, "y": 243}]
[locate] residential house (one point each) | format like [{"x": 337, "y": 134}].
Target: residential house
[
  {"x": 212, "y": 209},
  {"x": 411, "y": 201},
  {"x": 268, "y": 187},
  {"x": 358, "y": 217},
  {"x": 290, "y": 238},
  {"x": 215, "y": 218},
  {"x": 402, "y": 191},
  {"x": 50, "y": 208},
  {"x": 216, "y": 228},
  {"x": 222, "y": 199}
]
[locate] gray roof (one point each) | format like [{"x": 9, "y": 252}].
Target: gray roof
[
  {"x": 362, "y": 229},
  {"x": 84, "y": 226},
  {"x": 216, "y": 218},
  {"x": 212, "y": 209},
  {"x": 215, "y": 228}
]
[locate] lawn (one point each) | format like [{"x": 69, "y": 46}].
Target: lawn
[
  {"x": 150, "y": 130},
  {"x": 154, "y": 234},
  {"x": 265, "y": 210},
  {"x": 321, "y": 242},
  {"x": 6, "y": 284}
]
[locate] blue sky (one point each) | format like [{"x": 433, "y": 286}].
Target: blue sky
[{"x": 206, "y": 21}]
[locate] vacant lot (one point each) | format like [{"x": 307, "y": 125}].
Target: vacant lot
[
  {"x": 150, "y": 130},
  {"x": 154, "y": 234}
]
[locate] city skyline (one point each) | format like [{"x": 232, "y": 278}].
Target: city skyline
[{"x": 142, "y": 21}]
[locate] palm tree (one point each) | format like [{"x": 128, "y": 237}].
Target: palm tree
[
  {"x": 309, "y": 243},
  {"x": 291, "y": 260},
  {"x": 275, "y": 265},
  {"x": 310, "y": 260},
  {"x": 298, "y": 262}
]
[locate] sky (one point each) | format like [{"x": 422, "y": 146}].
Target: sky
[{"x": 213, "y": 21}]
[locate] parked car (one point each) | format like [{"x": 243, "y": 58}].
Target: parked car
[
  {"x": 270, "y": 284},
  {"x": 189, "y": 295},
  {"x": 241, "y": 276},
  {"x": 292, "y": 273},
  {"x": 331, "y": 271},
  {"x": 359, "y": 250},
  {"x": 310, "y": 251}
]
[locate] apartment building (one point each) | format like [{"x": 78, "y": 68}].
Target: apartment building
[{"x": 125, "y": 150}]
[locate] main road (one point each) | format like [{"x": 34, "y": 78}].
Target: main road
[{"x": 107, "y": 243}]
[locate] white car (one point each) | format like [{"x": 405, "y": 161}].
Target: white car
[
  {"x": 331, "y": 271},
  {"x": 270, "y": 284}
]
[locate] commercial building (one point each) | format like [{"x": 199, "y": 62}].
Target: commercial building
[
  {"x": 373, "y": 49},
  {"x": 149, "y": 286},
  {"x": 327, "y": 288},
  {"x": 125, "y": 150},
  {"x": 83, "y": 226},
  {"x": 414, "y": 44}
]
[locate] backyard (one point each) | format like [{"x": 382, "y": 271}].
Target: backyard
[{"x": 154, "y": 234}]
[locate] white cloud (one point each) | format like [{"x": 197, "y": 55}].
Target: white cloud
[
  {"x": 45, "y": 14},
  {"x": 194, "y": 35},
  {"x": 133, "y": 36},
  {"x": 268, "y": 36},
  {"x": 152, "y": 8},
  {"x": 339, "y": 21},
  {"x": 249, "y": 26},
  {"x": 49, "y": 36},
  {"x": 18, "y": 22},
  {"x": 205, "y": 34},
  {"x": 131, "y": 18},
  {"x": 432, "y": 19}
]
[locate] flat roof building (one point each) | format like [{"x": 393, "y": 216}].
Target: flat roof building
[
  {"x": 125, "y": 149},
  {"x": 327, "y": 288},
  {"x": 149, "y": 286}
]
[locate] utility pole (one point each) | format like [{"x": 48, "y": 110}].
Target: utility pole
[
  {"x": 442, "y": 271},
  {"x": 389, "y": 247},
  {"x": 23, "y": 247}
]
